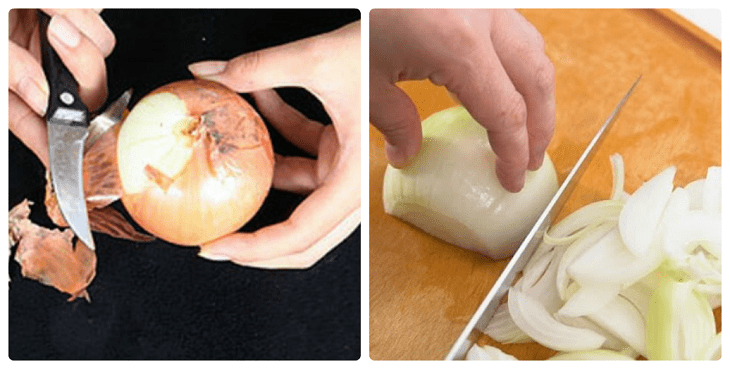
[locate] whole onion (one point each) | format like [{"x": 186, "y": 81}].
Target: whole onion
[{"x": 195, "y": 162}]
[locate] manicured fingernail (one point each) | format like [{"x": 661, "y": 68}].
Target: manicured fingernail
[
  {"x": 65, "y": 32},
  {"x": 206, "y": 254},
  {"x": 202, "y": 69},
  {"x": 34, "y": 93}
]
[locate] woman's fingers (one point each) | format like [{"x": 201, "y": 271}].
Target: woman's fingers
[
  {"x": 326, "y": 65},
  {"x": 521, "y": 49},
  {"x": 26, "y": 79},
  {"x": 303, "y": 175},
  {"x": 82, "y": 58},
  {"x": 91, "y": 25},
  {"x": 395, "y": 115},
  {"x": 313, "y": 220},
  {"x": 28, "y": 126},
  {"x": 293, "y": 125},
  {"x": 310, "y": 256},
  {"x": 487, "y": 92},
  {"x": 264, "y": 69},
  {"x": 295, "y": 174}
]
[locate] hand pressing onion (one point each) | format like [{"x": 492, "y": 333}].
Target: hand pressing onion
[
  {"x": 451, "y": 190},
  {"x": 195, "y": 162}
]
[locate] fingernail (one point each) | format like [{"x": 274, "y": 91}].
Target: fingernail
[
  {"x": 395, "y": 156},
  {"x": 207, "y": 254},
  {"x": 536, "y": 163},
  {"x": 35, "y": 94},
  {"x": 521, "y": 182},
  {"x": 511, "y": 180},
  {"x": 65, "y": 32},
  {"x": 207, "y": 68},
  {"x": 399, "y": 156}
]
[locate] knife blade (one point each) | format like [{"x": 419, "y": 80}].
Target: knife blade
[
  {"x": 106, "y": 120},
  {"x": 484, "y": 313},
  {"x": 67, "y": 121}
]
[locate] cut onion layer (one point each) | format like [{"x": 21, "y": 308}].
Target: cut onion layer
[
  {"x": 591, "y": 355},
  {"x": 640, "y": 216},
  {"x": 638, "y": 274},
  {"x": 477, "y": 352},
  {"x": 533, "y": 319}
]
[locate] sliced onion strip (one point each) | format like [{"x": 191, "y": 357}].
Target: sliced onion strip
[
  {"x": 642, "y": 212},
  {"x": 599, "y": 354},
  {"x": 535, "y": 321}
]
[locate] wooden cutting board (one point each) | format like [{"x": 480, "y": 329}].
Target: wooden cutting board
[{"x": 423, "y": 291}]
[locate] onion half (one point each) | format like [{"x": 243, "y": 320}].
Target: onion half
[{"x": 451, "y": 191}]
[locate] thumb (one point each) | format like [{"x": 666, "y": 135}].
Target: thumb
[
  {"x": 277, "y": 66},
  {"x": 393, "y": 113}
]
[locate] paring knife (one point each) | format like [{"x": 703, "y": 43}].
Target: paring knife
[
  {"x": 67, "y": 119},
  {"x": 480, "y": 319}
]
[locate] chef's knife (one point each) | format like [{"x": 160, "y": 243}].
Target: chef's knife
[
  {"x": 480, "y": 319},
  {"x": 67, "y": 120}
]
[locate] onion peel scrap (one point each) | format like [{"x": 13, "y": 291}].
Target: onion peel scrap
[{"x": 49, "y": 256}]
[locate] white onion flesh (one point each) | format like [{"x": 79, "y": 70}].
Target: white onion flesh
[
  {"x": 695, "y": 191},
  {"x": 538, "y": 323},
  {"x": 451, "y": 191},
  {"x": 545, "y": 290},
  {"x": 589, "y": 299},
  {"x": 612, "y": 342},
  {"x": 600, "y": 354},
  {"x": 713, "y": 188},
  {"x": 617, "y": 167},
  {"x": 623, "y": 320},
  {"x": 640, "y": 216},
  {"x": 477, "y": 352},
  {"x": 641, "y": 271},
  {"x": 619, "y": 266},
  {"x": 503, "y": 329},
  {"x": 680, "y": 325},
  {"x": 562, "y": 279}
]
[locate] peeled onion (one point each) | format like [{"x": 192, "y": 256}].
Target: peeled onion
[
  {"x": 451, "y": 190},
  {"x": 195, "y": 162}
]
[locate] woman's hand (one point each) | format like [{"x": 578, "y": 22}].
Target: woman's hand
[
  {"x": 82, "y": 41},
  {"x": 492, "y": 60},
  {"x": 328, "y": 66}
]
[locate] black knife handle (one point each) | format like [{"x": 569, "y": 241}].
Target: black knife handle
[{"x": 64, "y": 104}]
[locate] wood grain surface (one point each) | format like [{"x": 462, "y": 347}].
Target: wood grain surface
[{"x": 423, "y": 291}]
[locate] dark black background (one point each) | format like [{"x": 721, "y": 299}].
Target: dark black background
[{"x": 160, "y": 301}]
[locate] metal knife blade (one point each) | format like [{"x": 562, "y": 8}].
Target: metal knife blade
[
  {"x": 111, "y": 116},
  {"x": 486, "y": 309},
  {"x": 67, "y": 121}
]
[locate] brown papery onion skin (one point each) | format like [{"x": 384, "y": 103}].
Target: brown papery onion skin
[{"x": 221, "y": 186}]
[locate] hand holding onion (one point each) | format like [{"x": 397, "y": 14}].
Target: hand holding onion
[
  {"x": 493, "y": 61},
  {"x": 328, "y": 66}
]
